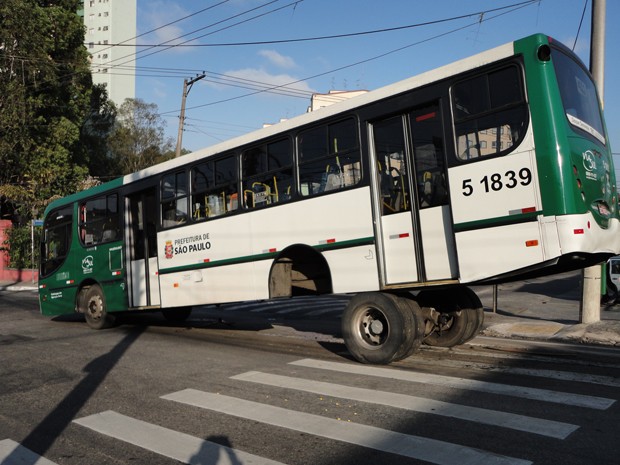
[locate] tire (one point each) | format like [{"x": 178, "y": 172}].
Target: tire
[
  {"x": 94, "y": 308},
  {"x": 452, "y": 331},
  {"x": 476, "y": 313},
  {"x": 177, "y": 315},
  {"x": 461, "y": 317},
  {"x": 379, "y": 328},
  {"x": 418, "y": 324}
]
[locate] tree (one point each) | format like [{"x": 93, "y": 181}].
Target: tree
[
  {"x": 45, "y": 98},
  {"x": 95, "y": 134},
  {"x": 137, "y": 140}
]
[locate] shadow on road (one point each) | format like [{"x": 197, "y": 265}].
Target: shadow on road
[{"x": 43, "y": 436}]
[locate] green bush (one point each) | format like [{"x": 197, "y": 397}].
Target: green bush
[{"x": 19, "y": 246}]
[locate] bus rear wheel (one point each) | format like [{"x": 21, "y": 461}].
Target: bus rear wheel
[
  {"x": 460, "y": 318},
  {"x": 380, "y": 328},
  {"x": 94, "y": 309}
]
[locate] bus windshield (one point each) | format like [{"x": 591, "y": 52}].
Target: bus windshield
[
  {"x": 578, "y": 96},
  {"x": 56, "y": 239}
]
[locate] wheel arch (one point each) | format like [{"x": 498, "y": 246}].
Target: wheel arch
[
  {"x": 299, "y": 270},
  {"x": 81, "y": 292}
]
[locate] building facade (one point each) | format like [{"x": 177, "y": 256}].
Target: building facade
[{"x": 110, "y": 40}]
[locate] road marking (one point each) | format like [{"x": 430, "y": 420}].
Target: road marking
[
  {"x": 173, "y": 444},
  {"x": 543, "y": 427},
  {"x": 558, "y": 359},
  {"x": 537, "y": 373},
  {"x": 13, "y": 453},
  {"x": 430, "y": 450},
  {"x": 545, "y": 395}
]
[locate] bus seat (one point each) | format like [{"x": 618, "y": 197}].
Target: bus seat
[
  {"x": 332, "y": 179},
  {"x": 108, "y": 235}
]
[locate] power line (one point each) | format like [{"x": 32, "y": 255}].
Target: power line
[
  {"x": 516, "y": 7},
  {"x": 335, "y": 36},
  {"x": 583, "y": 13},
  {"x": 167, "y": 47}
]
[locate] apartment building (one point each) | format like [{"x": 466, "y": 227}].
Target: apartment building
[{"x": 110, "y": 39}]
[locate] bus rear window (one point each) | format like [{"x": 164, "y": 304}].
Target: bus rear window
[{"x": 579, "y": 97}]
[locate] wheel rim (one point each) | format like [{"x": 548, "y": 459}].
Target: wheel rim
[
  {"x": 447, "y": 320},
  {"x": 95, "y": 307},
  {"x": 373, "y": 327}
]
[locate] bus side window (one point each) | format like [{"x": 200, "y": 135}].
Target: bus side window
[
  {"x": 214, "y": 188},
  {"x": 490, "y": 113},
  {"x": 389, "y": 144},
  {"x": 329, "y": 157},
  {"x": 267, "y": 174},
  {"x": 99, "y": 220},
  {"x": 428, "y": 155},
  {"x": 174, "y": 199}
]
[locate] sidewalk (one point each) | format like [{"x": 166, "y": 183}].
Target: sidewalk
[
  {"x": 19, "y": 286},
  {"x": 537, "y": 309},
  {"x": 546, "y": 309}
]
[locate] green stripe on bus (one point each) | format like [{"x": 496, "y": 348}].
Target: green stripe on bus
[
  {"x": 497, "y": 221},
  {"x": 266, "y": 256}
]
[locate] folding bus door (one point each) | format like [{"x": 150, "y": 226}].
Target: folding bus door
[
  {"x": 415, "y": 219},
  {"x": 143, "y": 279},
  {"x": 431, "y": 185}
]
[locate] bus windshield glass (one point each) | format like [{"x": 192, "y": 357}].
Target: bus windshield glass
[
  {"x": 56, "y": 239},
  {"x": 578, "y": 96}
]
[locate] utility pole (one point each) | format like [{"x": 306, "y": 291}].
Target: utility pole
[
  {"x": 591, "y": 297},
  {"x": 187, "y": 86}
]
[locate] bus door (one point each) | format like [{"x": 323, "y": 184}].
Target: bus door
[
  {"x": 141, "y": 211},
  {"x": 416, "y": 226}
]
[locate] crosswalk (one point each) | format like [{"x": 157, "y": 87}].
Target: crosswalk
[{"x": 304, "y": 376}]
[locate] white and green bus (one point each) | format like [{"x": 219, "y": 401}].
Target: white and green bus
[{"x": 493, "y": 168}]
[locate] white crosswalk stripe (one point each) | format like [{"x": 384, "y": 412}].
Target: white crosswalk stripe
[
  {"x": 431, "y": 450},
  {"x": 549, "y": 428},
  {"x": 192, "y": 450},
  {"x": 537, "y": 373},
  {"x": 564, "y": 398},
  {"x": 13, "y": 453},
  {"x": 169, "y": 443}
]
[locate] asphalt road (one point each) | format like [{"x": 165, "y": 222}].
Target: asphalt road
[{"x": 272, "y": 383}]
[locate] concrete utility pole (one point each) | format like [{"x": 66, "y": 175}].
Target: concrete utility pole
[
  {"x": 187, "y": 86},
  {"x": 590, "y": 299}
]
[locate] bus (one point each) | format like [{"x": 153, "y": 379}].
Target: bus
[{"x": 493, "y": 168}]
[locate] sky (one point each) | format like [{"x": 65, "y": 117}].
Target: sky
[{"x": 220, "y": 38}]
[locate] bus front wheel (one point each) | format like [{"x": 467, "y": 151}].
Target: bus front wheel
[
  {"x": 94, "y": 309},
  {"x": 380, "y": 328}
]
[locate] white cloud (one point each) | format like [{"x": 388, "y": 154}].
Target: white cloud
[
  {"x": 258, "y": 79},
  {"x": 277, "y": 59},
  {"x": 154, "y": 16}
]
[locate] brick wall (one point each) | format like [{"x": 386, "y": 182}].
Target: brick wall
[{"x": 11, "y": 274}]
